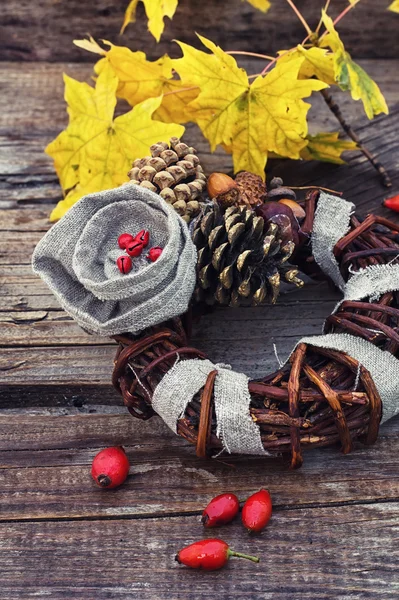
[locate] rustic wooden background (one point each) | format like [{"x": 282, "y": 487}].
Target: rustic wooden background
[{"x": 334, "y": 533}]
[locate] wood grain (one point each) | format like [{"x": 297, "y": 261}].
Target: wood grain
[
  {"x": 44, "y": 30},
  {"x": 45, "y": 470},
  {"x": 314, "y": 553}
]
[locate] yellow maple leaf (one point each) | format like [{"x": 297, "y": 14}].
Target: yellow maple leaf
[
  {"x": 139, "y": 79},
  {"x": 350, "y": 76},
  {"x": 177, "y": 95},
  {"x": 327, "y": 147},
  {"x": 96, "y": 151},
  {"x": 318, "y": 62},
  {"x": 262, "y": 5},
  {"x": 249, "y": 120},
  {"x": 156, "y": 11},
  {"x": 394, "y": 7}
]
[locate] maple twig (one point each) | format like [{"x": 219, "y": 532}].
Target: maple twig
[
  {"x": 315, "y": 187},
  {"x": 255, "y": 54},
  {"x": 335, "y": 109},
  {"x": 326, "y": 6},
  {"x": 345, "y": 11},
  {"x": 341, "y": 15},
  {"x": 300, "y": 17}
]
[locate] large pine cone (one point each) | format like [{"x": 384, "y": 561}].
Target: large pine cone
[
  {"x": 174, "y": 172},
  {"x": 240, "y": 259}
]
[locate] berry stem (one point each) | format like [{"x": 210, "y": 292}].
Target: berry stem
[
  {"x": 335, "y": 109},
  {"x": 241, "y": 555},
  {"x": 300, "y": 17}
]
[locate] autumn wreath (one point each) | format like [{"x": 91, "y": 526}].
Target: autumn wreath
[{"x": 236, "y": 245}]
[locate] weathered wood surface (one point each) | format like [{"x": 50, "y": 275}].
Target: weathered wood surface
[
  {"x": 333, "y": 535},
  {"x": 48, "y": 458},
  {"x": 315, "y": 553},
  {"x": 43, "y": 30}
]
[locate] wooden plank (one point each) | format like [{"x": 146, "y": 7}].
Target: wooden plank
[
  {"x": 44, "y": 328},
  {"x": 323, "y": 553},
  {"x": 53, "y": 327},
  {"x": 243, "y": 338},
  {"x": 45, "y": 470},
  {"x": 369, "y": 31}
]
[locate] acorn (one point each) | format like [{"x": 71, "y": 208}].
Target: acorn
[
  {"x": 295, "y": 207},
  {"x": 223, "y": 189}
]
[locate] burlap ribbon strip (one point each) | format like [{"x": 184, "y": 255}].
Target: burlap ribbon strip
[{"x": 235, "y": 427}]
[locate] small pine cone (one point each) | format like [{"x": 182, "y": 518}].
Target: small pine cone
[
  {"x": 240, "y": 258},
  {"x": 174, "y": 172},
  {"x": 252, "y": 189}
]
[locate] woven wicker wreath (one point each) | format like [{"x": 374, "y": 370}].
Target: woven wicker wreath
[
  {"x": 321, "y": 396},
  {"x": 238, "y": 249}
]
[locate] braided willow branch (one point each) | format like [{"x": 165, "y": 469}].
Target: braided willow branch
[{"x": 320, "y": 397}]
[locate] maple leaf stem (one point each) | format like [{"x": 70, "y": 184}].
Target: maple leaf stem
[
  {"x": 300, "y": 17},
  {"x": 255, "y": 54},
  {"x": 342, "y": 15},
  {"x": 255, "y": 75},
  {"x": 335, "y": 109},
  {"x": 320, "y": 23},
  {"x": 187, "y": 89}
]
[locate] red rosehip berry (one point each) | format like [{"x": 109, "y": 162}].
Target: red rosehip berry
[
  {"x": 124, "y": 240},
  {"x": 110, "y": 467},
  {"x": 392, "y": 203},
  {"x": 124, "y": 264},
  {"x": 143, "y": 236},
  {"x": 221, "y": 510},
  {"x": 209, "y": 555},
  {"x": 257, "y": 511},
  {"x": 154, "y": 253},
  {"x": 135, "y": 248}
]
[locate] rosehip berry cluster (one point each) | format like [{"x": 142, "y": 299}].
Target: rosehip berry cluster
[
  {"x": 134, "y": 247},
  {"x": 214, "y": 554}
]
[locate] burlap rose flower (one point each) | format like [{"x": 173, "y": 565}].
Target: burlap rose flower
[{"x": 77, "y": 260}]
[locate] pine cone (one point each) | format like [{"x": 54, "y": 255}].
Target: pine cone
[
  {"x": 252, "y": 188},
  {"x": 174, "y": 172},
  {"x": 238, "y": 262}
]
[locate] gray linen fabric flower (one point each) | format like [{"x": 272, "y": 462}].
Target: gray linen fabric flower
[{"x": 77, "y": 260}]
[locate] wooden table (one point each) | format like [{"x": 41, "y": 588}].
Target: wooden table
[{"x": 334, "y": 532}]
